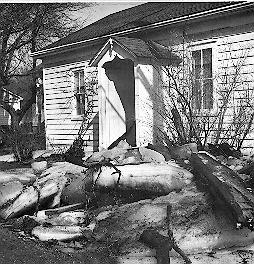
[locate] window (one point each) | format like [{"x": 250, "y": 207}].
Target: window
[
  {"x": 85, "y": 88},
  {"x": 80, "y": 94},
  {"x": 202, "y": 89}
]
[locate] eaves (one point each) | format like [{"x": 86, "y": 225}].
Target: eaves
[{"x": 218, "y": 11}]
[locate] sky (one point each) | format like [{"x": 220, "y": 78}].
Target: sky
[{"x": 103, "y": 8}]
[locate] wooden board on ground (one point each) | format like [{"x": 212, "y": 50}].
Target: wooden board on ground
[{"x": 226, "y": 188}]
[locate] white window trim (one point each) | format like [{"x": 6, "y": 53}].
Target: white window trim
[
  {"x": 80, "y": 66},
  {"x": 86, "y": 70},
  {"x": 200, "y": 45},
  {"x": 75, "y": 116}
]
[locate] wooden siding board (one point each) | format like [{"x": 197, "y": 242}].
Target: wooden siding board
[
  {"x": 62, "y": 125},
  {"x": 59, "y": 96},
  {"x": 237, "y": 40},
  {"x": 50, "y": 86},
  {"x": 59, "y": 106},
  {"x": 58, "y": 90},
  {"x": 62, "y": 81},
  {"x": 66, "y": 66},
  {"x": 56, "y": 101}
]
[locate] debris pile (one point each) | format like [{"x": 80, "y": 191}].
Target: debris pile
[{"x": 120, "y": 199}]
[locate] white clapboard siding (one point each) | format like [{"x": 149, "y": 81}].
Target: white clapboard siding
[
  {"x": 65, "y": 122},
  {"x": 52, "y": 83},
  {"x": 63, "y": 102},
  {"x": 59, "y": 111},
  {"x": 49, "y": 75},
  {"x": 237, "y": 41},
  {"x": 59, "y": 95},
  {"x": 70, "y": 137},
  {"x": 230, "y": 51},
  {"x": 233, "y": 63},
  {"x": 66, "y": 143},
  {"x": 56, "y": 101},
  {"x": 58, "y": 90},
  {"x": 57, "y": 106},
  {"x": 62, "y": 125},
  {"x": 65, "y": 85},
  {"x": 59, "y": 116}
]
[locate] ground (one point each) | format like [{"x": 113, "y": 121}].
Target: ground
[{"x": 17, "y": 248}]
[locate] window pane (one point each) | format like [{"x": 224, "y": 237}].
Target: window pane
[
  {"x": 207, "y": 56},
  {"x": 203, "y": 83},
  {"x": 207, "y": 63},
  {"x": 208, "y": 94},
  {"x": 79, "y": 91},
  {"x": 196, "y": 55},
  {"x": 207, "y": 71},
  {"x": 83, "y": 103},
  {"x": 78, "y": 104},
  {"x": 81, "y": 81},
  {"x": 196, "y": 92},
  {"x": 76, "y": 80}
]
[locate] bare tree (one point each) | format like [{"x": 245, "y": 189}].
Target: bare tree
[
  {"x": 185, "y": 121},
  {"x": 25, "y": 28}
]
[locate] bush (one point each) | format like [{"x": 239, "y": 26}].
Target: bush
[{"x": 25, "y": 143}]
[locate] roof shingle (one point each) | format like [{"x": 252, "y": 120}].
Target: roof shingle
[{"x": 141, "y": 15}]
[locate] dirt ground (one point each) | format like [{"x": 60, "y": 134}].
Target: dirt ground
[{"x": 14, "y": 249}]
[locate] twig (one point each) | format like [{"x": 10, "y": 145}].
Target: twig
[{"x": 171, "y": 237}]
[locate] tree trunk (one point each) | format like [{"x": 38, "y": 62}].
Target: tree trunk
[
  {"x": 39, "y": 106},
  {"x": 15, "y": 136},
  {"x": 178, "y": 123}
]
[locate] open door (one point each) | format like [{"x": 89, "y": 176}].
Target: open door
[
  {"x": 121, "y": 73},
  {"x": 116, "y": 99}
]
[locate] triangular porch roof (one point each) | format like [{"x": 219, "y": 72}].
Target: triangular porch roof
[{"x": 138, "y": 48}]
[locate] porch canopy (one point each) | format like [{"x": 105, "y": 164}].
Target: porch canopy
[
  {"x": 138, "y": 49},
  {"x": 119, "y": 64}
]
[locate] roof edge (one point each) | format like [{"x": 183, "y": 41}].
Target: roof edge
[
  {"x": 13, "y": 94},
  {"x": 151, "y": 26},
  {"x": 110, "y": 42}
]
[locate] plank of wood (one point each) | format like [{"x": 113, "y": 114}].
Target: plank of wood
[
  {"x": 66, "y": 208},
  {"x": 226, "y": 188}
]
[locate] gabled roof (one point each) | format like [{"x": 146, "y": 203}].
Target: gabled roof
[
  {"x": 140, "y": 17},
  {"x": 138, "y": 48},
  {"x": 18, "y": 97}
]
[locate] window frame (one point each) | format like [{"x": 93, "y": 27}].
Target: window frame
[
  {"x": 200, "y": 46},
  {"x": 82, "y": 70},
  {"x": 86, "y": 71}
]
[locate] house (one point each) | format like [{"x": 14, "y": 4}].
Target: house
[
  {"x": 117, "y": 62},
  {"x": 17, "y": 92},
  {"x": 13, "y": 99}
]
